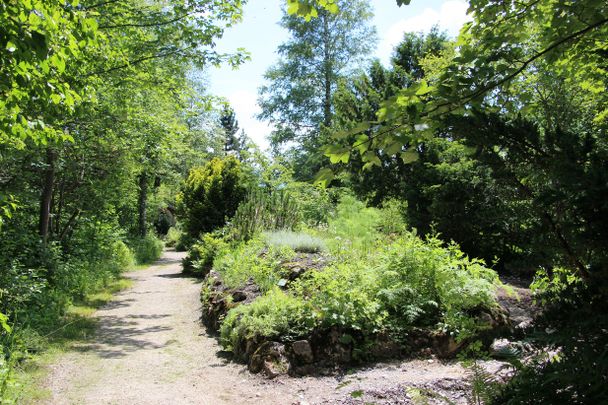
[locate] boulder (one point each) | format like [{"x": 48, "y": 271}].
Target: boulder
[
  {"x": 302, "y": 352},
  {"x": 269, "y": 358}
]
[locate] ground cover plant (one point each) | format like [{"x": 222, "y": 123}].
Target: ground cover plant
[{"x": 371, "y": 283}]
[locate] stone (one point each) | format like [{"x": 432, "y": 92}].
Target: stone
[
  {"x": 445, "y": 346},
  {"x": 239, "y": 296},
  {"x": 502, "y": 348},
  {"x": 270, "y": 359},
  {"x": 302, "y": 351}
]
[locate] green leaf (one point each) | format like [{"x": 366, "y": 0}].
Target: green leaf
[
  {"x": 423, "y": 88},
  {"x": 372, "y": 159},
  {"x": 394, "y": 148},
  {"x": 361, "y": 143},
  {"x": 338, "y": 154},
  {"x": 324, "y": 177},
  {"x": 11, "y": 47},
  {"x": 409, "y": 156},
  {"x": 4, "y": 323}
]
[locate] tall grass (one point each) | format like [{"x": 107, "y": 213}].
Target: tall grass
[{"x": 298, "y": 241}]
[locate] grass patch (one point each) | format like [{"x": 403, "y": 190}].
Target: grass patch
[
  {"x": 78, "y": 325},
  {"x": 298, "y": 241}
]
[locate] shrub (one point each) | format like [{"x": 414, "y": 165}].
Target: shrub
[
  {"x": 173, "y": 237},
  {"x": 274, "y": 315},
  {"x": 201, "y": 255},
  {"x": 354, "y": 225},
  {"x": 252, "y": 260},
  {"x": 314, "y": 202},
  {"x": 344, "y": 295},
  {"x": 423, "y": 283},
  {"x": 392, "y": 217},
  {"x": 299, "y": 242},
  {"x": 570, "y": 339},
  {"x": 264, "y": 211},
  {"x": 148, "y": 249},
  {"x": 409, "y": 283},
  {"x": 211, "y": 194},
  {"x": 122, "y": 257}
]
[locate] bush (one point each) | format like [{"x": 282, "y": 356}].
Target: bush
[
  {"x": 122, "y": 257},
  {"x": 211, "y": 194},
  {"x": 424, "y": 284},
  {"x": 179, "y": 240},
  {"x": 173, "y": 237},
  {"x": 275, "y": 315},
  {"x": 201, "y": 255},
  {"x": 299, "y": 242},
  {"x": 148, "y": 249},
  {"x": 409, "y": 284},
  {"x": 252, "y": 260},
  {"x": 344, "y": 295},
  {"x": 314, "y": 202},
  {"x": 264, "y": 211},
  {"x": 570, "y": 339},
  {"x": 392, "y": 217},
  {"x": 354, "y": 226}
]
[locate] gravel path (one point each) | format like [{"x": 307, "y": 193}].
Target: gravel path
[{"x": 150, "y": 348}]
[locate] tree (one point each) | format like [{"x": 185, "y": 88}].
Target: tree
[
  {"x": 298, "y": 98},
  {"x": 211, "y": 195},
  {"x": 230, "y": 126}
]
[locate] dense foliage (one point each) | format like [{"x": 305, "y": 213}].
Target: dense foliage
[
  {"x": 388, "y": 288},
  {"x": 298, "y": 99},
  {"x": 211, "y": 194},
  {"x": 100, "y": 118},
  {"x": 492, "y": 145}
]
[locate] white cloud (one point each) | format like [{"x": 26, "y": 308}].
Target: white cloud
[
  {"x": 245, "y": 107},
  {"x": 450, "y": 17}
]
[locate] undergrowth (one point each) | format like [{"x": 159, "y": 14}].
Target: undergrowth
[{"x": 378, "y": 279}]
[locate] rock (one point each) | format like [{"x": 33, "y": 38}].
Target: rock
[
  {"x": 239, "y": 296},
  {"x": 502, "y": 348},
  {"x": 217, "y": 299},
  {"x": 445, "y": 346},
  {"x": 332, "y": 346},
  {"x": 525, "y": 324},
  {"x": 269, "y": 358},
  {"x": 296, "y": 272},
  {"x": 384, "y": 347},
  {"x": 302, "y": 351}
]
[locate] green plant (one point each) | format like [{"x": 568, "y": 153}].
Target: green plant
[
  {"x": 7, "y": 360},
  {"x": 211, "y": 194},
  {"x": 392, "y": 217},
  {"x": 314, "y": 202},
  {"x": 122, "y": 257},
  {"x": 173, "y": 237},
  {"x": 201, "y": 255},
  {"x": 484, "y": 386},
  {"x": 148, "y": 249},
  {"x": 344, "y": 295},
  {"x": 275, "y": 315},
  {"x": 354, "y": 226},
  {"x": 252, "y": 260},
  {"x": 264, "y": 211},
  {"x": 423, "y": 283},
  {"x": 298, "y": 241}
]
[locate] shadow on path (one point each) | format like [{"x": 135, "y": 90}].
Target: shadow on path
[{"x": 119, "y": 336}]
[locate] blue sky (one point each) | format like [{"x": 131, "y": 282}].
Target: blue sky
[{"x": 260, "y": 34}]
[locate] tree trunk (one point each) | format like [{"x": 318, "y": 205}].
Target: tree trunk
[
  {"x": 47, "y": 195},
  {"x": 142, "y": 203},
  {"x": 327, "y": 72}
]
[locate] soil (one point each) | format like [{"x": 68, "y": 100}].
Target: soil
[{"x": 151, "y": 348}]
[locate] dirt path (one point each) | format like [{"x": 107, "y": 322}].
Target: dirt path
[{"x": 151, "y": 349}]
